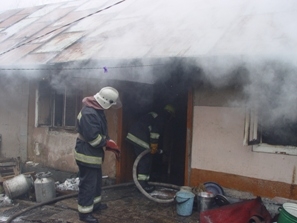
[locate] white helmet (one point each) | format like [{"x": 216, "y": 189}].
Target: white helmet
[{"x": 107, "y": 97}]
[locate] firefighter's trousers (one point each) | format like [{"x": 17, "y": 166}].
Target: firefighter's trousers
[{"x": 89, "y": 188}]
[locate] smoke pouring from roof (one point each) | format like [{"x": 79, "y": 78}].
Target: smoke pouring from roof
[
  {"x": 269, "y": 86},
  {"x": 272, "y": 90}
]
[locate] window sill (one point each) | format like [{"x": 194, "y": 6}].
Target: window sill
[
  {"x": 63, "y": 129},
  {"x": 59, "y": 129},
  {"x": 266, "y": 148}
]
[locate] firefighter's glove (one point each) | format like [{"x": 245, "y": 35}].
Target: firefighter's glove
[
  {"x": 154, "y": 148},
  {"x": 113, "y": 147}
]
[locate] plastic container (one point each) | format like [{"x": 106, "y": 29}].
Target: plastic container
[
  {"x": 288, "y": 213},
  {"x": 17, "y": 185},
  {"x": 44, "y": 187},
  {"x": 184, "y": 203}
]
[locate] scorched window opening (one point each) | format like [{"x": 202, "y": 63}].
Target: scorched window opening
[{"x": 271, "y": 135}]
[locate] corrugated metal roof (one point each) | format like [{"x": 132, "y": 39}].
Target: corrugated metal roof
[{"x": 78, "y": 30}]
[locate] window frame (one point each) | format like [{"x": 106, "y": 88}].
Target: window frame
[
  {"x": 51, "y": 100},
  {"x": 252, "y": 137}
]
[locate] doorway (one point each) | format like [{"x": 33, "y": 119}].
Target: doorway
[{"x": 138, "y": 99}]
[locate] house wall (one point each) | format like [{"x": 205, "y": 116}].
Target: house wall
[
  {"x": 218, "y": 153},
  {"x": 54, "y": 147},
  {"x": 14, "y": 91}
]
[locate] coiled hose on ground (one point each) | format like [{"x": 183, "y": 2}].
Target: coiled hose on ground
[{"x": 151, "y": 183}]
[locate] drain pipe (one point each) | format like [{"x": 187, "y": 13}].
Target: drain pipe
[
  {"x": 151, "y": 183},
  {"x": 61, "y": 198}
]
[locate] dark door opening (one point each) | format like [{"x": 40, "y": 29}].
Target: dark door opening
[{"x": 168, "y": 167}]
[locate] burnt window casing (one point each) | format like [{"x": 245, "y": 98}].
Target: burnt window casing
[
  {"x": 251, "y": 136},
  {"x": 57, "y": 107},
  {"x": 270, "y": 135}
]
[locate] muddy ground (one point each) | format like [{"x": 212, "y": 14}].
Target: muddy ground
[{"x": 126, "y": 204}]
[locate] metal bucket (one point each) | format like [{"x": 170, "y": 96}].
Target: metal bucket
[
  {"x": 288, "y": 213},
  {"x": 205, "y": 201},
  {"x": 44, "y": 185},
  {"x": 17, "y": 185}
]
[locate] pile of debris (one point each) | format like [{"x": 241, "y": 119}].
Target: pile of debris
[{"x": 39, "y": 187}]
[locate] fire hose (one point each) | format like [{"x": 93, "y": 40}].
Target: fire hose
[
  {"x": 60, "y": 198},
  {"x": 151, "y": 183},
  {"x": 9, "y": 220}
]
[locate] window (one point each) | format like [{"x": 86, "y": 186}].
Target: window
[
  {"x": 57, "y": 107},
  {"x": 270, "y": 135}
]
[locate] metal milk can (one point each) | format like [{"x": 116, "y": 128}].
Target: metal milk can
[{"x": 44, "y": 186}]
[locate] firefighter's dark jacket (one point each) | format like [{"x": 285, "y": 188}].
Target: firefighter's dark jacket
[
  {"x": 146, "y": 130},
  {"x": 92, "y": 129}
]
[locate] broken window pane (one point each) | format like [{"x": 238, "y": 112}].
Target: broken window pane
[
  {"x": 280, "y": 132},
  {"x": 275, "y": 135}
]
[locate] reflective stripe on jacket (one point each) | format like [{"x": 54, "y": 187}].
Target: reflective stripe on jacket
[
  {"x": 87, "y": 159},
  {"x": 146, "y": 130},
  {"x": 143, "y": 177},
  {"x": 138, "y": 141}
]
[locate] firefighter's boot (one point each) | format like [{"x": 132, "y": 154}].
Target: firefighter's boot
[
  {"x": 88, "y": 217},
  {"x": 148, "y": 188}
]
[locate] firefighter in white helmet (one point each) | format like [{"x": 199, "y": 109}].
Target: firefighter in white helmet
[
  {"x": 145, "y": 134},
  {"x": 89, "y": 152}
]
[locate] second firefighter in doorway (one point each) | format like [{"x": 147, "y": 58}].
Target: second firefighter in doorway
[{"x": 146, "y": 134}]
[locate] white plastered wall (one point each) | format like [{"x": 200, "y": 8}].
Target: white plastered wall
[
  {"x": 14, "y": 93},
  {"x": 217, "y": 145}
]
